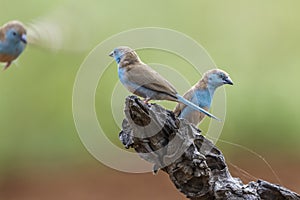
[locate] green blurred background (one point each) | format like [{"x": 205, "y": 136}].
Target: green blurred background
[{"x": 257, "y": 42}]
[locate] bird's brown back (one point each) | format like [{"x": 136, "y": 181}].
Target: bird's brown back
[{"x": 143, "y": 75}]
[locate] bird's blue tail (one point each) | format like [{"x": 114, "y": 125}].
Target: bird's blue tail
[{"x": 195, "y": 107}]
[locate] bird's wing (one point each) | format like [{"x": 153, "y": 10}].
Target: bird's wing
[
  {"x": 145, "y": 76},
  {"x": 180, "y": 106}
]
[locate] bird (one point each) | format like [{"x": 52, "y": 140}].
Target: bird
[
  {"x": 202, "y": 94},
  {"x": 142, "y": 80},
  {"x": 12, "y": 41}
]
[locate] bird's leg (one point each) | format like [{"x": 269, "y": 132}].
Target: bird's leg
[
  {"x": 146, "y": 100},
  {"x": 7, "y": 65}
]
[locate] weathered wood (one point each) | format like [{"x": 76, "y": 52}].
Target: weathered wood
[{"x": 195, "y": 166}]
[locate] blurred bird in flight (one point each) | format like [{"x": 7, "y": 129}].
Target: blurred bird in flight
[
  {"x": 14, "y": 38},
  {"x": 202, "y": 94},
  {"x": 46, "y": 33},
  {"x": 12, "y": 41},
  {"x": 143, "y": 81}
]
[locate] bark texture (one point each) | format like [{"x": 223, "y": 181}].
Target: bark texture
[{"x": 195, "y": 166}]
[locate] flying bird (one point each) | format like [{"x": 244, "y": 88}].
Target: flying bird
[
  {"x": 202, "y": 94},
  {"x": 142, "y": 80},
  {"x": 44, "y": 33},
  {"x": 12, "y": 41}
]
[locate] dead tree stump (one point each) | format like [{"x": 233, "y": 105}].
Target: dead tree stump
[{"x": 195, "y": 166}]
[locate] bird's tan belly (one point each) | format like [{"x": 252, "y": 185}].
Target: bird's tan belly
[{"x": 6, "y": 58}]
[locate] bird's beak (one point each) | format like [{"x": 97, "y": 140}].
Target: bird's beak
[
  {"x": 24, "y": 38},
  {"x": 111, "y": 54},
  {"x": 228, "y": 81}
]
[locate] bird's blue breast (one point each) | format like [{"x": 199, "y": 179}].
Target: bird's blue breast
[
  {"x": 13, "y": 49},
  {"x": 202, "y": 98},
  {"x": 122, "y": 75},
  {"x": 131, "y": 86}
]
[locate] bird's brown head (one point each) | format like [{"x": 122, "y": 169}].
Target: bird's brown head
[
  {"x": 217, "y": 77},
  {"x": 124, "y": 53},
  {"x": 13, "y": 31}
]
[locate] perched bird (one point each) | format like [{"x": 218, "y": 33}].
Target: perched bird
[
  {"x": 202, "y": 94},
  {"x": 12, "y": 41},
  {"x": 143, "y": 81}
]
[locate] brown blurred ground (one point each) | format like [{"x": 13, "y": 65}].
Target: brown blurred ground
[
  {"x": 88, "y": 183},
  {"x": 96, "y": 182}
]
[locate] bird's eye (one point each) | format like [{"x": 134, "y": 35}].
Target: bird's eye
[{"x": 14, "y": 33}]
